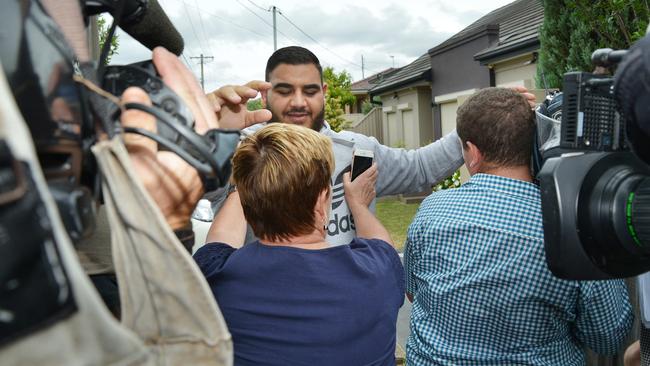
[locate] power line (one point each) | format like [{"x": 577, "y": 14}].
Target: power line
[
  {"x": 266, "y": 22},
  {"x": 189, "y": 65},
  {"x": 257, "y": 6},
  {"x": 187, "y": 62},
  {"x": 192, "y": 25},
  {"x": 254, "y": 13},
  {"x": 318, "y": 43},
  {"x": 315, "y": 41},
  {"x": 205, "y": 34},
  {"x": 229, "y": 21},
  {"x": 297, "y": 27}
]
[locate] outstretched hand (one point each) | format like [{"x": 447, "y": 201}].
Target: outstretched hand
[{"x": 229, "y": 104}]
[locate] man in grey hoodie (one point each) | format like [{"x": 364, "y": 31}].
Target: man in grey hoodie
[{"x": 294, "y": 93}]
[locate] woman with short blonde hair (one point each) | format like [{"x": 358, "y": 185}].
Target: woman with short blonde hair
[
  {"x": 290, "y": 298},
  {"x": 279, "y": 173}
]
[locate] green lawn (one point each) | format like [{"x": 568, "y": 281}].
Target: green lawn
[{"x": 396, "y": 217}]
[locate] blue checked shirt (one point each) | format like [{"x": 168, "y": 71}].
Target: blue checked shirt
[{"x": 483, "y": 294}]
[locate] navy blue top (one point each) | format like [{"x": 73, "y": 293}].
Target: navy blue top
[{"x": 292, "y": 306}]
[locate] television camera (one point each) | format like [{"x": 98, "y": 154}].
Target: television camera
[
  {"x": 69, "y": 104},
  {"x": 595, "y": 177},
  {"x": 66, "y": 117}
]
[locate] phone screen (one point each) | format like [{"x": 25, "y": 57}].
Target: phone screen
[{"x": 360, "y": 164}]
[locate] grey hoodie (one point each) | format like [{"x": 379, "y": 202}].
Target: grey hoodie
[{"x": 400, "y": 171}]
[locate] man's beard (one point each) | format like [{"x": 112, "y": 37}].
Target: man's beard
[{"x": 317, "y": 125}]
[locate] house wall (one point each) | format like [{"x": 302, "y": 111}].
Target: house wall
[
  {"x": 456, "y": 75},
  {"x": 448, "y": 105},
  {"x": 517, "y": 71},
  {"x": 456, "y": 70},
  {"x": 407, "y": 120},
  {"x": 357, "y": 106},
  {"x": 425, "y": 116}
]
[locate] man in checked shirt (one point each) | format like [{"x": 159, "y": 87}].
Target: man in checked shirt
[{"x": 475, "y": 265}]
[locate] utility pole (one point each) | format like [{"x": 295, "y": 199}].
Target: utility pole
[
  {"x": 275, "y": 29},
  {"x": 363, "y": 75},
  {"x": 93, "y": 38},
  {"x": 393, "y": 57},
  {"x": 203, "y": 59}
]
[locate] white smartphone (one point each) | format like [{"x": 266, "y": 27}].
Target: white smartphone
[{"x": 361, "y": 160}]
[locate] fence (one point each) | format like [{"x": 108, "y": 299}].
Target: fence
[{"x": 370, "y": 125}]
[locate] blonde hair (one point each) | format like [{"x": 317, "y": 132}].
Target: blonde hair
[{"x": 280, "y": 171}]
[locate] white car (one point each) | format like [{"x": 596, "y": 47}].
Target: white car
[{"x": 201, "y": 221}]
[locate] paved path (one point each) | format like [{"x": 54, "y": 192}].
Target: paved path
[
  {"x": 403, "y": 320},
  {"x": 403, "y": 323}
]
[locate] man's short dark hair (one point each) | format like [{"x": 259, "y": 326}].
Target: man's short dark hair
[
  {"x": 500, "y": 122},
  {"x": 292, "y": 55}
]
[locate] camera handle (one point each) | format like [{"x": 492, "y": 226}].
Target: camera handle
[{"x": 209, "y": 154}]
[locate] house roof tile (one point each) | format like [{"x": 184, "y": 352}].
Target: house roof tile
[
  {"x": 364, "y": 85},
  {"x": 517, "y": 23},
  {"x": 414, "y": 71},
  {"x": 520, "y": 27}
]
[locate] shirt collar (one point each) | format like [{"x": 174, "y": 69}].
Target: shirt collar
[
  {"x": 504, "y": 184},
  {"x": 326, "y": 127}
]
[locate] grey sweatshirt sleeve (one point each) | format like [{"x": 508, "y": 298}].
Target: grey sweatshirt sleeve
[{"x": 406, "y": 171}]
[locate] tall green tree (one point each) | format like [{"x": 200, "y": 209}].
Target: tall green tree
[
  {"x": 573, "y": 29},
  {"x": 338, "y": 95},
  {"x": 102, "y": 31},
  {"x": 554, "y": 48}
]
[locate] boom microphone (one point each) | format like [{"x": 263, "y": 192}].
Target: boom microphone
[
  {"x": 607, "y": 57},
  {"x": 633, "y": 95},
  {"x": 154, "y": 29},
  {"x": 144, "y": 20}
]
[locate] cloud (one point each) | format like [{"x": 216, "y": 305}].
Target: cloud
[
  {"x": 393, "y": 30},
  {"x": 240, "y": 39}
]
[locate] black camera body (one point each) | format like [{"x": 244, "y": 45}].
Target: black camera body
[
  {"x": 144, "y": 75},
  {"x": 210, "y": 153},
  {"x": 590, "y": 117},
  {"x": 595, "y": 190},
  {"x": 60, "y": 100}
]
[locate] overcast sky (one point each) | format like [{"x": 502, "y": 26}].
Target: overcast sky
[{"x": 239, "y": 33}]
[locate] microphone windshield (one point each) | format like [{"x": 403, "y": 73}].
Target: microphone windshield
[
  {"x": 633, "y": 96},
  {"x": 155, "y": 29}
]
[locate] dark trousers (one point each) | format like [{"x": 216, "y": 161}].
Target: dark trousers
[{"x": 106, "y": 285}]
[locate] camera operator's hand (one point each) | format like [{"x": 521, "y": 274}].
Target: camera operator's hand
[
  {"x": 229, "y": 103},
  {"x": 361, "y": 191},
  {"x": 183, "y": 83},
  {"x": 173, "y": 184}
]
